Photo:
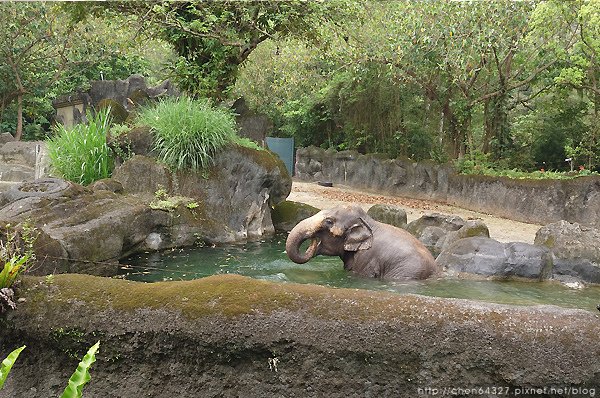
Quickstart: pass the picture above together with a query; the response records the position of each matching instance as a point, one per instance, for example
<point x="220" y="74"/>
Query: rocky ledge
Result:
<point x="234" y="336"/>
<point x="145" y="206"/>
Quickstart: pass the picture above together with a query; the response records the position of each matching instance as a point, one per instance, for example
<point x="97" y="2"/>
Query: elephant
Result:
<point x="367" y="247"/>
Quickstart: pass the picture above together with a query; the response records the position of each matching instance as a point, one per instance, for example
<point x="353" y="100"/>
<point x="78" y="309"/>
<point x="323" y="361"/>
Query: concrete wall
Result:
<point x="536" y="201"/>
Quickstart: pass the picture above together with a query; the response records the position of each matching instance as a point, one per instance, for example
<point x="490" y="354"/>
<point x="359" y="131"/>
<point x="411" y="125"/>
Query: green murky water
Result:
<point x="267" y="260"/>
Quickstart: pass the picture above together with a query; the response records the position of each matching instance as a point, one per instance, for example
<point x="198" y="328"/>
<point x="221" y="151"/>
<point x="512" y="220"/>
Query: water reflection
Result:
<point x="267" y="260"/>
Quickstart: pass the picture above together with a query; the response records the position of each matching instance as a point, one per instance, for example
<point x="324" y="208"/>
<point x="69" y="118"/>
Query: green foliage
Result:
<point x="44" y="55"/>
<point x="77" y="381"/>
<point x="81" y="376"/>
<point x="247" y="143"/>
<point x="438" y="79"/>
<point x="16" y="252"/>
<point x="81" y="154"/>
<point x="213" y="38"/>
<point x="533" y="175"/>
<point x="7" y="364"/>
<point x="163" y="201"/>
<point x="475" y="162"/>
<point x="188" y="133"/>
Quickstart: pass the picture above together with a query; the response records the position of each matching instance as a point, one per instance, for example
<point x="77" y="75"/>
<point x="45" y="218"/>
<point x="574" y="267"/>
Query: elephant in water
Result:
<point x="367" y="247"/>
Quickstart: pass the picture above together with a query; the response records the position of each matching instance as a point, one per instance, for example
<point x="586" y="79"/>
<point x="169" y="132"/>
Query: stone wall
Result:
<point x="232" y="336"/>
<point x="536" y="201"/>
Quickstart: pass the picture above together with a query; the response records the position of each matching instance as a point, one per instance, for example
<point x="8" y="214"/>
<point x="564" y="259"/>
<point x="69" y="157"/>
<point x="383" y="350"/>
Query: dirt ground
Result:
<point x="501" y="229"/>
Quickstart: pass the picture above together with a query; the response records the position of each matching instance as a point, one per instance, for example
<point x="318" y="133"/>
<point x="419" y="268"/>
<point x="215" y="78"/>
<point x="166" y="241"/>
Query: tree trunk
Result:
<point x="19" y="131"/>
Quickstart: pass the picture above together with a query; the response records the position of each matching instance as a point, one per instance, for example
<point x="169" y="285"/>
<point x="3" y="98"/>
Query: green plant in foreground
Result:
<point x="77" y="381"/>
<point x="16" y="251"/>
<point x="81" y="154"/>
<point x="7" y="364"/>
<point x="81" y="375"/>
<point x="188" y="133"/>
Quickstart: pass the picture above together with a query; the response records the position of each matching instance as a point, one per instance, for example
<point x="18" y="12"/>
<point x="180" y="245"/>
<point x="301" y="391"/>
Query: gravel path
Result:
<point x="501" y="229"/>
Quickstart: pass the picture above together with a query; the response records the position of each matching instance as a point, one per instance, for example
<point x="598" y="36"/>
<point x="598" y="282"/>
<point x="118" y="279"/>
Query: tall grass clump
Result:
<point x="188" y="133"/>
<point x="81" y="154"/>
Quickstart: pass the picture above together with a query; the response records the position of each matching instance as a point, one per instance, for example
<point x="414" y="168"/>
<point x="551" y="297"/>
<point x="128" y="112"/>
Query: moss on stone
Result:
<point x="265" y="158"/>
<point x="235" y="296"/>
<point x="288" y="213"/>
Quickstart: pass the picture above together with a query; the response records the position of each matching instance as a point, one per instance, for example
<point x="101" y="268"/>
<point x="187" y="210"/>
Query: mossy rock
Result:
<point x="287" y="214"/>
<point x="118" y="113"/>
<point x="389" y="214"/>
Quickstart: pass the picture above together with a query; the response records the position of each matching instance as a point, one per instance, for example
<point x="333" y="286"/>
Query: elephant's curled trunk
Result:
<point x="300" y="233"/>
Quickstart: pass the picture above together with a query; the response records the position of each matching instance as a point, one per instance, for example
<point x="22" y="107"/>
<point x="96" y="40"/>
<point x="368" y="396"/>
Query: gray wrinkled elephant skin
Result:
<point x="367" y="247"/>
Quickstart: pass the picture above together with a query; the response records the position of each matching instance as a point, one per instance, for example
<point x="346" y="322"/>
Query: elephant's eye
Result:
<point x="328" y="222"/>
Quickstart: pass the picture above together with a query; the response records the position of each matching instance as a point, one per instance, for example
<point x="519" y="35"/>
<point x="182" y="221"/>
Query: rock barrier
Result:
<point x="535" y="201"/>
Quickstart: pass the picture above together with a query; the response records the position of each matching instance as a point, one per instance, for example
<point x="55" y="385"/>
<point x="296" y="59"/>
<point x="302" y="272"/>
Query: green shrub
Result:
<point x="81" y="154"/>
<point x="188" y="133"/>
<point x="475" y="162"/>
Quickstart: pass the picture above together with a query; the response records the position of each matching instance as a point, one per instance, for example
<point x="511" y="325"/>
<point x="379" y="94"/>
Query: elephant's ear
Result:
<point x="358" y="237"/>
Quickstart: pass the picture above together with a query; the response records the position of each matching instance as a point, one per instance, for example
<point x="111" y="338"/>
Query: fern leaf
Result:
<point x="7" y="364"/>
<point x="81" y="375"/>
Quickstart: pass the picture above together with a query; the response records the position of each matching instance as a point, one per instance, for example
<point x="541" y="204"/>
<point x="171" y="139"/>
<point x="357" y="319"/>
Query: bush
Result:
<point x="81" y="154"/>
<point x="188" y="133"/>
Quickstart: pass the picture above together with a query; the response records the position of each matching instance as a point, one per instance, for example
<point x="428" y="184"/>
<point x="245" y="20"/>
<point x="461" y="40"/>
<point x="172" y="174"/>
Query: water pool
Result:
<point x="266" y="259"/>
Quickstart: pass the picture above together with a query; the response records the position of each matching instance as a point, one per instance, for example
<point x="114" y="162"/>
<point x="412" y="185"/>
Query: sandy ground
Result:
<point x="501" y="229"/>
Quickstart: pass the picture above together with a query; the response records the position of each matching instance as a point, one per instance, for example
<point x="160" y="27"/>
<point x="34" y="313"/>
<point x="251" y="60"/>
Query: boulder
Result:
<point x="389" y="214"/>
<point x="471" y="229"/>
<point x="88" y="229"/>
<point x="23" y="161"/>
<point x="287" y="214"/>
<point x="444" y="221"/>
<point x="137" y="141"/>
<point x="238" y="190"/>
<point x="575" y="249"/>
<point x="80" y="230"/>
<point x="6" y="137"/>
<point x="490" y="258"/>
<point x="438" y="231"/>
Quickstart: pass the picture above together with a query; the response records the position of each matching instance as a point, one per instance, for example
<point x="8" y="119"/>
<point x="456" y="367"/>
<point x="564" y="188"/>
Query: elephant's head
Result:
<point x="333" y="232"/>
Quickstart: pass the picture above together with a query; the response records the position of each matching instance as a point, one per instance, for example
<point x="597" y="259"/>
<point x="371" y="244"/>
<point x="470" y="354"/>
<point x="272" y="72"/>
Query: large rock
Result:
<point x="388" y="214"/>
<point x="23" y="161"/>
<point x="287" y="214"/>
<point x="575" y="248"/>
<point x="238" y="337"/>
<point x="490" y="258"/>
<point x="85" y="230"/>
<point x="88" y="229"/>
<point x="238" y="191"/>
<point x="438" y="231"/>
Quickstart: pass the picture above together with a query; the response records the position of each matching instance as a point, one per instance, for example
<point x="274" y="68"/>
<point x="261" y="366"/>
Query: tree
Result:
<point x="214" y="38"/>
<point x="42" y="55"/>
<point x="579" y="69"/>
<point x="33" y="56"/>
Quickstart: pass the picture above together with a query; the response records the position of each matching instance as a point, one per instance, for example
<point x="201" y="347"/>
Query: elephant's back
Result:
<point x="407" y="257"/>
